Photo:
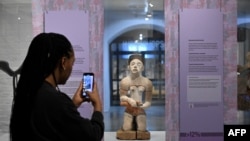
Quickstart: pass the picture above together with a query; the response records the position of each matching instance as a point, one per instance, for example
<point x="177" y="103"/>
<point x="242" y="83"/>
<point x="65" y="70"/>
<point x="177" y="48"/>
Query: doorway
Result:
<point x="150" y="44"/>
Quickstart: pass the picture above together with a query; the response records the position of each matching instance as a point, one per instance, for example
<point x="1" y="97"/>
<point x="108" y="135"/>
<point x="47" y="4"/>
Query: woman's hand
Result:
<point x="77" y="98"/>
<point x="95" y="98"/>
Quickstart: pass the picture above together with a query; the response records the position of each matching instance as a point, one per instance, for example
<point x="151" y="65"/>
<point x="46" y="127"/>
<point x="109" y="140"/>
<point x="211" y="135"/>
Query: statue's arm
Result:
<point x="148" y="95"/>
<point x="124" y="99"/>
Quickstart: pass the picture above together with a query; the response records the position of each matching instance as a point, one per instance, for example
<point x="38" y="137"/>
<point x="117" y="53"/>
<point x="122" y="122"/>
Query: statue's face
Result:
<point x="136" y="66"/>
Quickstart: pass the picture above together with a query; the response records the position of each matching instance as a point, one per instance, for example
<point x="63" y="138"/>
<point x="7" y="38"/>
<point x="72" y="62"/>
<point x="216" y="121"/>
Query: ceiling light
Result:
<point x="150" y="4"/>
<point x="140" y="36"/>
<point x="149" y="14"/>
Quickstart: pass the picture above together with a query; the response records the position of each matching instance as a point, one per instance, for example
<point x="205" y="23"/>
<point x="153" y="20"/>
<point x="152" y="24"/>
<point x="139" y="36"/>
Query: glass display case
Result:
<point x="154" y="55"/>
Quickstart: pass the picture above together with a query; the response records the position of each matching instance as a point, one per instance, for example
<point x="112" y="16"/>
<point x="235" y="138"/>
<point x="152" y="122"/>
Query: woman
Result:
<point x="41" y="112"/>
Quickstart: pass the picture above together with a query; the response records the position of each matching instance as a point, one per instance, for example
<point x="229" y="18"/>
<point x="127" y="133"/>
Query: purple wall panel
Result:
<point x="96" y="24"/>
<point x="229" y="11"/>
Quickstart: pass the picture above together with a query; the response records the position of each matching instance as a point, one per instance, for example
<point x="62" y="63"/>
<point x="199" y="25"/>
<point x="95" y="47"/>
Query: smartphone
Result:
<point x="88" y="83"/>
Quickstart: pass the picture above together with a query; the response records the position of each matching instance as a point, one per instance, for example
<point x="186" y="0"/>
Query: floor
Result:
<point x="244" y="117"/>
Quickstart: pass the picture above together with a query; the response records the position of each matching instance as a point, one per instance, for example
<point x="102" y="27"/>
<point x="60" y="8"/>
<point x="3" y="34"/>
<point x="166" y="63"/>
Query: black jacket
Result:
<point x="55" y="118"/>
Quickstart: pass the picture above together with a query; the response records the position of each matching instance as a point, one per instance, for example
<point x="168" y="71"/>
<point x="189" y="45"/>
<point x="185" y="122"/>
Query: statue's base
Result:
<point x="132" y="135"/>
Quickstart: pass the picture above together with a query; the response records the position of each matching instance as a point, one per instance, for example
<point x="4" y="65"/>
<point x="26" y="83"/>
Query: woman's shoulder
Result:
<point x="50" y="94"/>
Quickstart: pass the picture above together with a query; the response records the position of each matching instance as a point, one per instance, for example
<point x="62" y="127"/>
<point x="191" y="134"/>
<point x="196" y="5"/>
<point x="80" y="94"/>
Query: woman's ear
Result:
<point x="63" y="63"/>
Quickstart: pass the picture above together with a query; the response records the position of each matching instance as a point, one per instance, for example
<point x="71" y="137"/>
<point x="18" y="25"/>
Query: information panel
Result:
<point x="201" y="75"/>
<point x="75" y="26"/>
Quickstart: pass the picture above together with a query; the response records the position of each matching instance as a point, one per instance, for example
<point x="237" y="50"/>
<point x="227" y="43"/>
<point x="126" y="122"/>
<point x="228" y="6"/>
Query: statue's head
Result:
<point x="135" y="63"/>
<point x="135" y="56"/>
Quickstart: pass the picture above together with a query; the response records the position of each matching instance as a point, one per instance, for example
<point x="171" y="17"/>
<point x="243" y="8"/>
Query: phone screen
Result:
<point x="88" y="82"/>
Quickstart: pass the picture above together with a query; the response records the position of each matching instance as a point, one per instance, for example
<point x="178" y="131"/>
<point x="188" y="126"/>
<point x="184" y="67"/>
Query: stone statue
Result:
<point x="135" y="94"/>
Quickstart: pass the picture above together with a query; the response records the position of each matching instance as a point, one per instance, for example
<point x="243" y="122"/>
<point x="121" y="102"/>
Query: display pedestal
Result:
<point x="132" y="135"/>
